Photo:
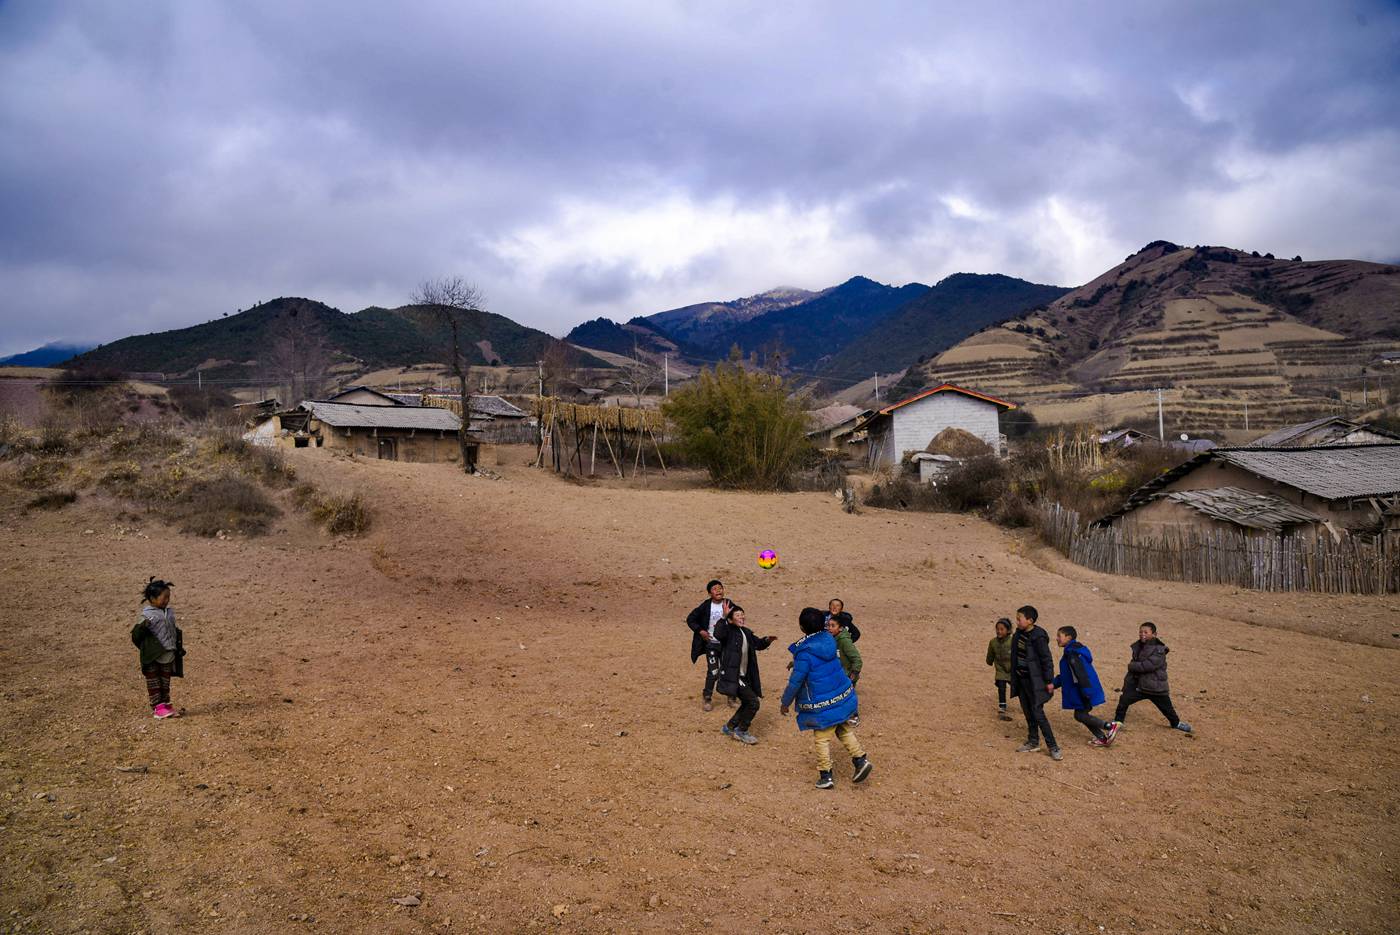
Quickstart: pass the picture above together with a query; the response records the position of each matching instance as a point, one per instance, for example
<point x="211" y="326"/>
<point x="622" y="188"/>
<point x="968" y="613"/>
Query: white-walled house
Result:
<point x="910" y="424"/>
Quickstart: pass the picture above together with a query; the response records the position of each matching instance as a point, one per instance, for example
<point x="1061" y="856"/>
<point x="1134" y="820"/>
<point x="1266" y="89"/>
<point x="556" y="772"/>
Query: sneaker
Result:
<point x="862" y="768"/>
<point x="709" y="705"/>
<point x="1056" y="755"/>
<point x="1028" y="747"/>
<point x="1003" y="716"/>
<point x="726" y="730"/>
<point x="1098" y="741"/>
<point x="824" y="780"/>
<point x="744" y="736"/>
<point x="1183" y="727"/>
<point x="854" y="721"/>
<point x="162" y="711"/>
<point x="1111" y="732"/>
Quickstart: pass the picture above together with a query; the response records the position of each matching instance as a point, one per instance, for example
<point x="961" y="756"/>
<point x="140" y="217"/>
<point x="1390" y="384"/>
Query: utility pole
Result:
<point x="199" y="376"/>
<point x="666" y="374"/>
<point x="1161" y="431"/>
<point x="1365" y="404"/>
<point x="540" y="364"/>
<point x="877" y="387"/>
<point x="1246" y="415"/>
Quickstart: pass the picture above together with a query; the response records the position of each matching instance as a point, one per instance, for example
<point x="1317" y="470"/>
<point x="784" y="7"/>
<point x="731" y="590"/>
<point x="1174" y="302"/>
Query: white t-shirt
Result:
<point x="716" y="615"/>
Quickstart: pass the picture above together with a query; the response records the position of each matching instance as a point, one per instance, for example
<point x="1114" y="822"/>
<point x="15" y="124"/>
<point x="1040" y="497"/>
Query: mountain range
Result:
<point x="236" y="347"/>
<point x="55" y="352"/>
<point x="1227" y="335"/>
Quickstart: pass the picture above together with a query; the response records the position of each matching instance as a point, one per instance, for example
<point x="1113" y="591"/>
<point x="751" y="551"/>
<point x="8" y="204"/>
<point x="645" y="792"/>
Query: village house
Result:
<point x="1272" y="491"/>
<point x="908" y="426"/>
<point x="388" y="432"/>
<point x="1332" y="430"/>
<point x="831" y="426"/>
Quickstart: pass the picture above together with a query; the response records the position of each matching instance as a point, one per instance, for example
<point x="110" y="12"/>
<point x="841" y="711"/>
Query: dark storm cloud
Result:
<point x="163" y="163"/>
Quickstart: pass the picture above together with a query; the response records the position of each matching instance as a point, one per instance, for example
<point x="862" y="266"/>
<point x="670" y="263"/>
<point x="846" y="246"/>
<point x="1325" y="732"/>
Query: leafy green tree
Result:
<point x="743" y="427"/>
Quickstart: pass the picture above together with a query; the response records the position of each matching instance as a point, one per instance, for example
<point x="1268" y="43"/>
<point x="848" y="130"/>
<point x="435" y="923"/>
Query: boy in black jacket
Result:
<point x="1147" y="678"/>
<point x="702" y="621"/>
<point x="738" y="672"/>
<point x="1033" y="680"/>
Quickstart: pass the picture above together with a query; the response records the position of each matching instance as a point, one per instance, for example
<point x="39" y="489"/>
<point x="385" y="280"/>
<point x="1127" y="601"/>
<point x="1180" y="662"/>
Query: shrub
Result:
<point x="744" y="427"/>
<point x="225" y="502"/>
<point x="54" y="500"/>
<point x="196" y="402"/>
<point x="85" y="379"/>
<point x="342" y="514"/>
<point x="41" y="473"/>
<point x="53" y="437"/>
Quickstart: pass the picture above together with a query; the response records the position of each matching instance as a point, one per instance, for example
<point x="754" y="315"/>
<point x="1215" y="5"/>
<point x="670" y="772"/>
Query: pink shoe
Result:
<point x="162" y="711"/>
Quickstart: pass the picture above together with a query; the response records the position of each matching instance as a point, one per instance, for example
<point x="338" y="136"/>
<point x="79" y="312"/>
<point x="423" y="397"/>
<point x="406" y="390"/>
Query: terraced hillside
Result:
<point x="1220" y="330"/>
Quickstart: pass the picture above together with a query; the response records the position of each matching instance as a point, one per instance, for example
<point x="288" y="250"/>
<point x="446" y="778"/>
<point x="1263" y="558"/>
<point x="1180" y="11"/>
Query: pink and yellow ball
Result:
<point x="767" y="558"/>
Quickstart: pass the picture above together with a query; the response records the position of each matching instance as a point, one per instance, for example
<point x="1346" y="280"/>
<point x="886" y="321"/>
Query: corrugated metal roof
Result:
<point x="1333" y="473"/>
<point x="348" y="415"/>
<point x="1243" y="507"/>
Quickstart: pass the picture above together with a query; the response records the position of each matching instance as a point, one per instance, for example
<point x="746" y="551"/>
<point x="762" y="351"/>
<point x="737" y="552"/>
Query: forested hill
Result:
<point x="235" y="346"/>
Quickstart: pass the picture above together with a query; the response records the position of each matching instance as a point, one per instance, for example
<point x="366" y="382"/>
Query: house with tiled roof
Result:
<point x="1273" y="490"/>
<point x="907" y="427"/>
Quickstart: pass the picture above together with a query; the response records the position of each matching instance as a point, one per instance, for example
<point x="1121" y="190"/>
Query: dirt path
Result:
<point x="487" y="704"/>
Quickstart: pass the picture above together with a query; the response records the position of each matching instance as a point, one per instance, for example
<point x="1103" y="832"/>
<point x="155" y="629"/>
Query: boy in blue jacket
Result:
<point x="825" y="697"/>
<point x="1080" y="690"/>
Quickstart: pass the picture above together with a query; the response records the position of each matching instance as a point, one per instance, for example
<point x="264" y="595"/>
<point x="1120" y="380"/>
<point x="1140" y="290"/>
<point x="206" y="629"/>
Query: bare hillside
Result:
<point x="1217" y="327"/>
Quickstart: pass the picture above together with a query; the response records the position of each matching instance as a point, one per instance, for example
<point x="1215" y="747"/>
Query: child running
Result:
<point x="999" y="656"/>
<point x="1147" y="678"/>
<point x="158" y="639"/>
<point x="738" y="672"/>
<point x="1079" y="686"/>
<point x="825" y="697"/>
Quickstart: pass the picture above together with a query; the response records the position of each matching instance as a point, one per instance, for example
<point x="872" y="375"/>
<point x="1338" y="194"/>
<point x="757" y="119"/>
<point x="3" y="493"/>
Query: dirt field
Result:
<point x="487" y="704"/>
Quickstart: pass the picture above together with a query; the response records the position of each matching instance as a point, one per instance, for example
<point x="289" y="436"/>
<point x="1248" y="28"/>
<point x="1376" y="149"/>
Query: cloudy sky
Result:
<point x="163" y="163"/>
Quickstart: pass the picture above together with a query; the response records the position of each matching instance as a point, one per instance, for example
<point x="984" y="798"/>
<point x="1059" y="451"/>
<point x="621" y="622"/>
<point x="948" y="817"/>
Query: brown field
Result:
<point x="487" y="704"/>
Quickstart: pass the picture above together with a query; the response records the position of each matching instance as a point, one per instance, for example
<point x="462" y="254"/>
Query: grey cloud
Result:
<point x="164" y="159"/>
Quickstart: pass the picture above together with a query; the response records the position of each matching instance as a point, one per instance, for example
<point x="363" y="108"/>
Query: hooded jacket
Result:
<point x="1147" y="672"/>
<point x="731" y="658"/>
<point x="848" y="654"/>
<point x="824" y="696"/>
<point x="1078" y="682"/>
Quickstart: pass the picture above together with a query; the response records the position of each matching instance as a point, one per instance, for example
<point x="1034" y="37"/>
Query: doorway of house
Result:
<point x="388" y="449"/>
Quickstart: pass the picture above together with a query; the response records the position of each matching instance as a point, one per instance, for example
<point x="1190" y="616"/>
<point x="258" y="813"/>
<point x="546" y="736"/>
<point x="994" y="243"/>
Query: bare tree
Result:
<point x="299" y="357"/>
<point x="558" y="365"/>
<point x="449" y="298"/>
<point x="639" y="374"/>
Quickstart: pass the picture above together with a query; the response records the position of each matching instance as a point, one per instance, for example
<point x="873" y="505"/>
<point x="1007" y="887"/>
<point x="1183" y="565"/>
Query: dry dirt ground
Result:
<point x="487" y="704"/>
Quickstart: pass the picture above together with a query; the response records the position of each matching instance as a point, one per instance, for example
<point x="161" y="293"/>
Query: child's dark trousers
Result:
<point x="1132" y="696"/>
<point x="748" y="707"/>
<point x="1096" y="726"/>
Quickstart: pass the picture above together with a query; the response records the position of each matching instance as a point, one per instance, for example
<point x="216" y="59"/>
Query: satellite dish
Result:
<point x="1183" y="437"/>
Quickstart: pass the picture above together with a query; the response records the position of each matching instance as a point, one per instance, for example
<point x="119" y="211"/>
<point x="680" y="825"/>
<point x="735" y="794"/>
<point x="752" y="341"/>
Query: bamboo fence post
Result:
<point x="593" y="455"/>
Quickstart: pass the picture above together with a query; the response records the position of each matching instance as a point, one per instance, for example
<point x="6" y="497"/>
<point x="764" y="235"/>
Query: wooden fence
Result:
<point x="1349" y="565"/>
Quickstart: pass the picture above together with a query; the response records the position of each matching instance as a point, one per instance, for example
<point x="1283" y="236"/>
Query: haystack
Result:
<point x="959" y="443"/>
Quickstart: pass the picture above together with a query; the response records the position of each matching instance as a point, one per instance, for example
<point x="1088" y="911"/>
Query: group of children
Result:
<point x="1023" y="668"/>
<point x="825" y="668"/>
